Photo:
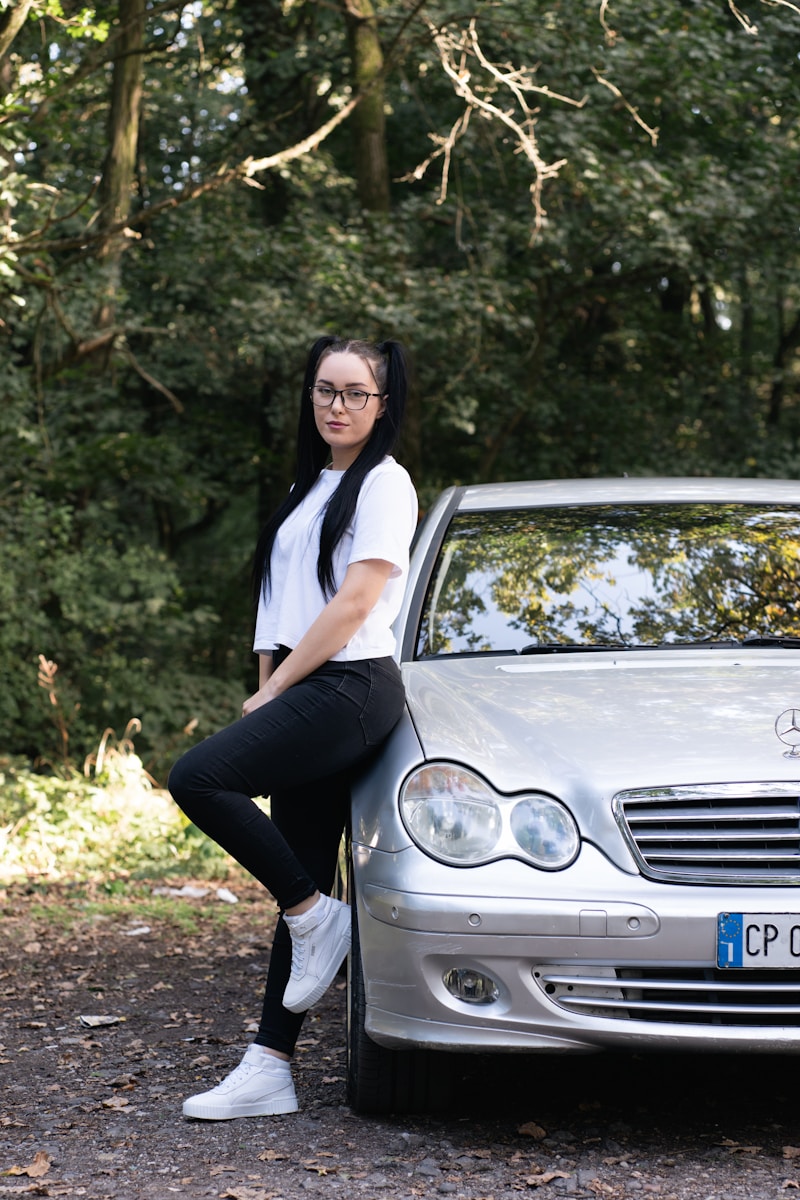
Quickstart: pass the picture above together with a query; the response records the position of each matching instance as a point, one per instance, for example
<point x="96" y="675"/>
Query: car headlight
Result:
<point x="456" y="817"/>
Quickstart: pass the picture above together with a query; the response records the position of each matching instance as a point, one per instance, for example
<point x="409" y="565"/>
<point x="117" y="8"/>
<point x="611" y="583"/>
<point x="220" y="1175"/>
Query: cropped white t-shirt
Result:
<point x="382" y="527"/>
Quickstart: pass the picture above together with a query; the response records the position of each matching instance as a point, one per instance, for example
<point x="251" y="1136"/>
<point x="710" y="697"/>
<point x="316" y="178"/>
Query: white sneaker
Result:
<point x="256" y="1088"/>
<point x="320" y="940"/>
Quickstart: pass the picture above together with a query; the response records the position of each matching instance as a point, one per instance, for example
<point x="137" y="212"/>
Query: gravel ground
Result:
<point x="95" y="1109"/>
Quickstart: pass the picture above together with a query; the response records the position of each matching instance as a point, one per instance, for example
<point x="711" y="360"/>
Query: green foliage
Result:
<point x="113" y="614"/>
<point x="85" y="902"/>
<point x="115" y="824"/>
<point x="149" y="386"/>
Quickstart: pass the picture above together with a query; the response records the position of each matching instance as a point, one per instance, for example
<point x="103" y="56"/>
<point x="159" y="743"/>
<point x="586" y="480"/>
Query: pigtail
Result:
<point x="311" y="455"/>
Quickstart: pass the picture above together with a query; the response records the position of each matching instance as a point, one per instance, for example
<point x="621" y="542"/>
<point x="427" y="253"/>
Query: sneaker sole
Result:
<point x="324" y="981"/>
<point x="224" y="1112"/>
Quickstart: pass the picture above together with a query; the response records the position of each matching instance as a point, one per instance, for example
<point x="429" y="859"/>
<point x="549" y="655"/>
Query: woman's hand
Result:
<point x="266" y="691"/>
<point x="262" y="696"/>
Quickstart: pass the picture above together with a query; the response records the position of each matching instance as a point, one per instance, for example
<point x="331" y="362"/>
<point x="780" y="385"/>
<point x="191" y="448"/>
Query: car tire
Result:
<point x="380" y="1080"/>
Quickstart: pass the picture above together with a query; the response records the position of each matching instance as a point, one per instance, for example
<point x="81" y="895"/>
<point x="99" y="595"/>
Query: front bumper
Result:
<point x="598" y="959"/>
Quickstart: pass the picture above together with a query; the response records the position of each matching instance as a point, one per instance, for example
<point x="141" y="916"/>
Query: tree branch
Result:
<point x="457" y="53"/>
<point x="747" y="25"/>
<point x="609" y="32"/>
<point x="252" y="166"/>
<point x="243" y="171"/>
<point x="150" y="379"/>
<point x="11" y="23"/>
<point x="651" y="132"/>
<point x="782" y="4"/>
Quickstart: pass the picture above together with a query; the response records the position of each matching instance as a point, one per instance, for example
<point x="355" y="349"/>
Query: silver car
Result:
<point x="585" y="832"/>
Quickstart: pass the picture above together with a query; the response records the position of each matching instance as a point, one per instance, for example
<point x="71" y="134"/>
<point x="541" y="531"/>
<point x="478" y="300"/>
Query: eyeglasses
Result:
<point x="352" y="398"/>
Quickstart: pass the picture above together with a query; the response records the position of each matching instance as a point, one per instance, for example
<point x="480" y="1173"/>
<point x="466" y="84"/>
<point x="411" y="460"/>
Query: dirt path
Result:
<point x="173" y="984"/>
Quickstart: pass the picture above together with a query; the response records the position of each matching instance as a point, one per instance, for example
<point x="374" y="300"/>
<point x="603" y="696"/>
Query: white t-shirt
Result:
<point x="382" y="527"/>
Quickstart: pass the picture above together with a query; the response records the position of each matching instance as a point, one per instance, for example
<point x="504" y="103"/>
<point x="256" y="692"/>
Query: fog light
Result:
<point x="469" y="985"/>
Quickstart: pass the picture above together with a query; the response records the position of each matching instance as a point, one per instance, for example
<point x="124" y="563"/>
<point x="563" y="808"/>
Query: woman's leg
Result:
<point x="321" y="809"/>
<point x="324" y="725"/>
<point x="293" y="749"/>
<point x="215" y="782"/>
<point x="313" y="818"/>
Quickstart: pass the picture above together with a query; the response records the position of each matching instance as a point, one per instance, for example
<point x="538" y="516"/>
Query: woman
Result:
<point x="329" y="577"/>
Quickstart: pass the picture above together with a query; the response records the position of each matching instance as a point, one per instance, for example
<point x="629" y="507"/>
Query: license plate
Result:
<point x="758" y="940"/>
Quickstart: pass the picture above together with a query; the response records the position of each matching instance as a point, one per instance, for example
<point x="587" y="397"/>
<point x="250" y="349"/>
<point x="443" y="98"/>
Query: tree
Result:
<point x="119" y="169"/>
<point x="582" y="219"/>
<point x="369" y="125"/>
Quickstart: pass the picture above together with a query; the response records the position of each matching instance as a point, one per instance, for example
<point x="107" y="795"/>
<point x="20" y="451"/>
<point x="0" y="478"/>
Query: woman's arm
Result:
<point x="341" y="618"/>
<point x="266" y="665"/>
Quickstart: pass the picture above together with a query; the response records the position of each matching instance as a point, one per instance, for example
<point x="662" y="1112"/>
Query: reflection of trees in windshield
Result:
<point x="606" y="575"/>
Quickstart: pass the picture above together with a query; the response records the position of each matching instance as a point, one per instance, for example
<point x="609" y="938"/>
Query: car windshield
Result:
<point x="630" y="576"/>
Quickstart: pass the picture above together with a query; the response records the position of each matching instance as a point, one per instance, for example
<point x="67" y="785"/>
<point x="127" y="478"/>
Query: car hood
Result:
<point x="583" y="725"/>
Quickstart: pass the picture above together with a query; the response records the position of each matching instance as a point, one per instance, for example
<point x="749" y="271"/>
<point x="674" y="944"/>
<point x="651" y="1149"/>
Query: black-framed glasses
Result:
<point x="352" y="398"/>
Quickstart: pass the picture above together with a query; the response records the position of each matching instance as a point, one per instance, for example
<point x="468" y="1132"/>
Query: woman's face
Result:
<point x="344" y="429"/>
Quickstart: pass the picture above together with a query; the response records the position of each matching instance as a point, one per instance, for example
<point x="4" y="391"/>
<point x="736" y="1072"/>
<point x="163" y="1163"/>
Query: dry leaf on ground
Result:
<point x="546" y="1177"/>
<point x="35" y="1170"/>
<point x="531" y="1129"/>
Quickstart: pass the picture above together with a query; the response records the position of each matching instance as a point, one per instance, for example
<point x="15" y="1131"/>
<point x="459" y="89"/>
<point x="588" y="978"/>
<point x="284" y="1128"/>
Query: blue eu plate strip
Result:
<point x="729" y="939"/>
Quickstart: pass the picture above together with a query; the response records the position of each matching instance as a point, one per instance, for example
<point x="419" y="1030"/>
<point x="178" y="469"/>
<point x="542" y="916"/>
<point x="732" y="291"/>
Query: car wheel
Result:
<point x="380" y="1080"/>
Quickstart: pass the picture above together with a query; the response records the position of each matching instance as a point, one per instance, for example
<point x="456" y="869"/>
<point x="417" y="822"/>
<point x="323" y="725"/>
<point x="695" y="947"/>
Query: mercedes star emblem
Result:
<point x="787" y="728"/>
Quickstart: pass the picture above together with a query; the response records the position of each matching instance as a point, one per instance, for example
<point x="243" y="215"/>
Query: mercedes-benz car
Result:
<point x="584" y="834"/>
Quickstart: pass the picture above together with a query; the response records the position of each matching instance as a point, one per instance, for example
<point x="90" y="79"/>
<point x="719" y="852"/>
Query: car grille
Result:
<point x="680" y="996"/>
<point x="728" y="833"/>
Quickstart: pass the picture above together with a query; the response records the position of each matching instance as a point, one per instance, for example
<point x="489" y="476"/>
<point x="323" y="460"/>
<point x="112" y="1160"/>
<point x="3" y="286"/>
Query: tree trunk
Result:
<point x="11" y="22"/>
<point x="119" y="168"/>
<point x="746" y="405"/>
<point x="368" y="120"/>
<point x="788" y="341"/>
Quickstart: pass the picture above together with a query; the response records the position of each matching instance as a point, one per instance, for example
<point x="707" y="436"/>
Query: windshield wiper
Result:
<point x="578" y="647"/>
<point x="706" y="643"/>
<point x="710" y="643"/>
<point x="571" y="647"/>
<point x="752" y="640"/>
<point x="775" y="639"/>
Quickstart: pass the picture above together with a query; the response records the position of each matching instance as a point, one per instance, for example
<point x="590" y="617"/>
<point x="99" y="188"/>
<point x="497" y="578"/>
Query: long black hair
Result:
<point x="387" y="360"/>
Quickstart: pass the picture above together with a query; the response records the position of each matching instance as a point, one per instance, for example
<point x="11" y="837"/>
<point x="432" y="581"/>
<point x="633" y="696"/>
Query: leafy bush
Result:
<point x="128" y="640"/>
<point x="54" y="827"/>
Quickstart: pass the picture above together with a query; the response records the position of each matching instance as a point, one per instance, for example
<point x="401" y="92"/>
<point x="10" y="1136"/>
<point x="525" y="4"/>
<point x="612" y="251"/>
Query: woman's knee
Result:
<point x="183" y="779"/>
<point x="201" y="774"/>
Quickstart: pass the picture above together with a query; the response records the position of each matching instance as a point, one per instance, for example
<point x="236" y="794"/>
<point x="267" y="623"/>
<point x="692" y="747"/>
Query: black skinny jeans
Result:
<point x="299" y="750"/>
